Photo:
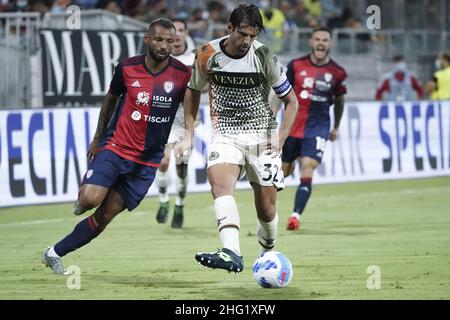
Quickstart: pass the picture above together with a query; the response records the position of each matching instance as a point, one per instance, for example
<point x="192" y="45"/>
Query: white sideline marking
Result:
<point x="34" y="222"/>
<point x="29" y="223"/>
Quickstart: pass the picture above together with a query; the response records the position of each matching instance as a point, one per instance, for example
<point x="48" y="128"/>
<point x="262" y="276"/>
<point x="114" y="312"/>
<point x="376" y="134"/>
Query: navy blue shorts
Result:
<point x="131" y="180"/>
<point x="306" y="147"/>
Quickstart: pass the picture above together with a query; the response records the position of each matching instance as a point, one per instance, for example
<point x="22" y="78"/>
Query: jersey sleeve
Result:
<point x="341" y="87"/>
<point x="276" y="76"/>
<point x="199" y="77"/>
<point x="117" y="85"/>
<point x="290" y="73"/>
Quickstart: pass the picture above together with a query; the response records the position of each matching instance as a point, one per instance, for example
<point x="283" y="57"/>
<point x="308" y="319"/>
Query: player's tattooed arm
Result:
<point x="104" y="117"/>
<point x="338" y="111"/>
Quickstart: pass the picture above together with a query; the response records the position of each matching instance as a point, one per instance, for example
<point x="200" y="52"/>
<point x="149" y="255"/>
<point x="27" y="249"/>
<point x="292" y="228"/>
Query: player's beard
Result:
<point x="158" y="55"/>
<point x="321" y="55"/>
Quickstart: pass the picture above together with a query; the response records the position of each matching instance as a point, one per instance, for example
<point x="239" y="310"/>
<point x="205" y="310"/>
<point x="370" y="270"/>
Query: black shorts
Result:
<point x="306" y="147"/>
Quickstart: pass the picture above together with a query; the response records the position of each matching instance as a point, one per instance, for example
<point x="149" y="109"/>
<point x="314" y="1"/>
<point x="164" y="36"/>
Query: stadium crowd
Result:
<point x="207" y="20"/>
<point x="279" y="16"/>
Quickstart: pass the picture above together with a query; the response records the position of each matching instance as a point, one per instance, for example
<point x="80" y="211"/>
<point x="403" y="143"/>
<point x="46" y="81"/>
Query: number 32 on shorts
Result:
<point x="272" y="173"/>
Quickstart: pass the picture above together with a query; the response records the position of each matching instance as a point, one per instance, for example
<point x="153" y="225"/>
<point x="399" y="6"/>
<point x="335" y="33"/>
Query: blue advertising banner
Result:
<point x="43" y="152"/>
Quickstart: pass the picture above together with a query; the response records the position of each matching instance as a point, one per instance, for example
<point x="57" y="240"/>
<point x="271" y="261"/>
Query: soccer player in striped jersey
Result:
<point x="240" y="72"/>
<point x="133" y="126"/>
<point x="318" y="83"/>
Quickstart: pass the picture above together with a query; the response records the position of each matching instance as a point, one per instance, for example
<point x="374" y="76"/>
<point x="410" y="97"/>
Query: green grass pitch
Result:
<point x="403" y="227"/>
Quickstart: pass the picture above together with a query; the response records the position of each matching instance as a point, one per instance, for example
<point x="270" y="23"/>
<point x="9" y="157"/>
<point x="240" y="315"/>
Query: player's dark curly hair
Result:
<point x="246" y="13"/>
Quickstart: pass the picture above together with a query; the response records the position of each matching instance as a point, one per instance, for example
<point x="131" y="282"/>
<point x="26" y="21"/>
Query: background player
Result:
<point x="318" y="82"/>
<point x="241" y="72"/>
<point x="129" y="141"/>
<point x="185" y="54"/>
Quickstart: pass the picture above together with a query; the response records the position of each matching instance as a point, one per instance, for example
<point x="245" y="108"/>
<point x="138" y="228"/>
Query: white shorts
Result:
<point x="259" y="167"/>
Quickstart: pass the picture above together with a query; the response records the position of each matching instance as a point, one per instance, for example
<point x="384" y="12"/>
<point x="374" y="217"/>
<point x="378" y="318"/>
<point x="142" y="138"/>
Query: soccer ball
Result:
<point x="272" y="270"/>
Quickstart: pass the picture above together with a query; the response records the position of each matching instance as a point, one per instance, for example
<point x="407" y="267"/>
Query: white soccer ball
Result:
<point x="273" y="270"/>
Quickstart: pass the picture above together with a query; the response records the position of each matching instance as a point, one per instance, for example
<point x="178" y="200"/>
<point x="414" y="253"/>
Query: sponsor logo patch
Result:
<point x="136" y="115"/>
<point x="213" y="156"/>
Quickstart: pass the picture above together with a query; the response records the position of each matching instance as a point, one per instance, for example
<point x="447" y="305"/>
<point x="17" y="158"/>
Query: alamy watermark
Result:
<point x="73" y="282"/>
<point x="373" y="21"/>
<point x="374" y="280"/>
<point x="73" y="21"/>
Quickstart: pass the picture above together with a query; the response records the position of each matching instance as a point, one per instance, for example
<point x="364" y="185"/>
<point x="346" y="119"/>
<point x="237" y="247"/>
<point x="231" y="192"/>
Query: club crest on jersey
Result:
<point x="89" y="173"/>
<point x="328" y="76"/>
<point x="168" y="86"/>
<point x="142" y="98"/>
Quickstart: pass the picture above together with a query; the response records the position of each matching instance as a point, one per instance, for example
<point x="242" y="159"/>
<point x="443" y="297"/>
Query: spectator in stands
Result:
<point x="345" y="20"/>
<point x="41" y="6"/>
<point x="60" y="6"/>
<point x="439" y="87"/>
<point x="314" y="7"/>
<point x="399" y="84"/>
<point x="287" y="9"/>
<point x="86" y="4"/>
<point x="158" y="9"/>
<point x="198" y="23"/>
<point x="273" y="20"/>
<point x="217" y="17"/>
<point x="109" y="5"/>
<point x="301" y="16"/>
<point x="15" y="6"/>
<point x="129" y="7"/>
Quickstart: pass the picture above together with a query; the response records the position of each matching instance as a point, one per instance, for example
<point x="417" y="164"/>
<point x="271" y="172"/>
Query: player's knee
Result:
<point x="103" y="217"/>
<point x="287" y="169"/>
<point x="266" y="210"/>
<point x="220" y="190"/>
<point x="89" y="200"/>
<point x="164" y="165"/>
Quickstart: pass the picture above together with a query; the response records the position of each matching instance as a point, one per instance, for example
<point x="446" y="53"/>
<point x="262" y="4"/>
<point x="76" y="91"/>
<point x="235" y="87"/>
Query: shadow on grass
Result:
<point x="257" y="293"/>
<point x="338" y="232"/>
<point x="150" y="281"/>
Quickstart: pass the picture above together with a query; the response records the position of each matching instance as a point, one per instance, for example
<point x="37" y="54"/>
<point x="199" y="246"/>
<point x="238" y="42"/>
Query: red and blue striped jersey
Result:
<point x="140" y="126"/>
<point x="316" y="88"/>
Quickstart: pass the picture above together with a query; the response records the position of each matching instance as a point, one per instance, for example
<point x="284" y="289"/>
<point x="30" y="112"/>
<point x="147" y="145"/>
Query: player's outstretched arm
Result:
<point x="338" y="111"/>
<point x="191" y="104"/>
<point x="104" y="117"/>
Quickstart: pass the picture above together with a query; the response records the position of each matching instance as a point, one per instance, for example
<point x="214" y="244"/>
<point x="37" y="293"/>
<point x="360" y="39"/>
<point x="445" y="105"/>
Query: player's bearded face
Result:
<point x="159" y="43"/>
<point x="320" y="45"/>
<point x="158" y="54"/>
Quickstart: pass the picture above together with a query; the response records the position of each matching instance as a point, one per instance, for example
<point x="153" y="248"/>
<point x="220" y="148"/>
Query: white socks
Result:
<point x="162" y="181"/>
<point x="181" y="185"/>
<point x="267" y="232"/>
<point x="296" y="215"/>
<point x="51" y="253"/>
<point x="228" y="222"/>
